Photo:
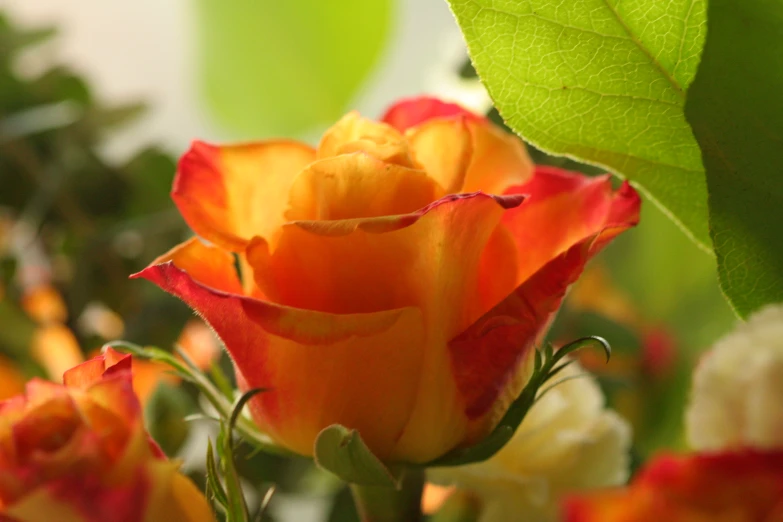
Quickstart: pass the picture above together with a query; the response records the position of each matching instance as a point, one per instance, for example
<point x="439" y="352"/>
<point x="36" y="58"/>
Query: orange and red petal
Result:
<point x="410" y="112"/>
<point x="93" y="370"/>
<point x="428" y="259"/>
<point x="564" y="208"/>
<point x="566" y="220"/>
<point x="319" y="368"/>
<point x="208" y="264"/>
<point x="84" y="499"/>
<point x="229" y="194"/>
<point x="433" y="260"/>
<point x="741" y="486"/>
<point x="487" y="358"/>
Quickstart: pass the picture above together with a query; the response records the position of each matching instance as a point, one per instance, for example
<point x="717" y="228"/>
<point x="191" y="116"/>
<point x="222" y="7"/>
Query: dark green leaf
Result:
<point x="735" y="107"/>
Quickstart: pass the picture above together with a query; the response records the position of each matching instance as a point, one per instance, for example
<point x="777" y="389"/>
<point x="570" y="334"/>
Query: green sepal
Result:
<point x="342" y="452"/>
<point x="544" y="368"/>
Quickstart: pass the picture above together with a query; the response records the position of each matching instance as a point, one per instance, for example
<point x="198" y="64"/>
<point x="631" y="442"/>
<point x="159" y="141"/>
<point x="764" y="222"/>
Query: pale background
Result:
<point x="143" y="50"/>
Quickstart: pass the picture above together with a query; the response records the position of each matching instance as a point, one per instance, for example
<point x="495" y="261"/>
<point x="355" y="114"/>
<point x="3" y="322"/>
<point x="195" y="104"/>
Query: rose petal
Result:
<point x="320" y="368"/>
<point x="85" y="499"/>
<point x="563" y="209"/>
<point x="487" y="357"/>
<point x="744" y="486"/>
<point x="210" y="265"/>
<point x="468" y="154"/>
<point x="444" y="149"/>
<point x="428" y="259"/>
<point x="414" y="111"/>
<point x="567" y="219"/>
<point x="357" y="185"/>
<point x="356" y="134"/>
<point x="229" y="194"/>
<point x="499" y="159"/>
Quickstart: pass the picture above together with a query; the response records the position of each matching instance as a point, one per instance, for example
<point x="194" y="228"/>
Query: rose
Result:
<point x="78" y="452"/>
<point x="392" y="279"/>
<point x="741" y="486"/>
<point x="567" y="442"/>
<point x="737" y="389"/>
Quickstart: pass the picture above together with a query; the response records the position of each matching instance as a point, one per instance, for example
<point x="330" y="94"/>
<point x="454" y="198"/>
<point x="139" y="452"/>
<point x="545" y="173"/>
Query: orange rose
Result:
<point x="78" y="452"/>
<point x="741" y="486"/>
<point x="392" y="279"/>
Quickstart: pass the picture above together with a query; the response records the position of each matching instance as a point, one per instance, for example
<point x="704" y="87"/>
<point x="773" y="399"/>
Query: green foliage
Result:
<point x="602" y="81"/>
<point x="736" y="110"/>
<point x="281" y="68"/>
<point x="223" y="480"/>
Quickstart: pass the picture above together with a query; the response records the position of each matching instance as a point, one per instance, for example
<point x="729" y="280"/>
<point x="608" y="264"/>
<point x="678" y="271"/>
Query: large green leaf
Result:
<point x="602" y="81"/>
<point x="736" y="109"/>
<point x="284" y="66"/>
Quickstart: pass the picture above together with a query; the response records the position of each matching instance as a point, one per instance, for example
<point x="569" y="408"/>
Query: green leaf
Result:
<point x="271" y="67"/>
<point x="343" y="452"/>
<point x="214" y="486"/>
<point x="602" y="81"/>
<point x="736" y="111"/>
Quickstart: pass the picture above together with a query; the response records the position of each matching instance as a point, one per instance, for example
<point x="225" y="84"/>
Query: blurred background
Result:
<point x="98" y="100"/>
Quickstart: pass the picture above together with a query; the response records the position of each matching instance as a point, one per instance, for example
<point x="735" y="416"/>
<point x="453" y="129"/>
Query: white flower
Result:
<point x="737" y="395"/>
<point x="568" y="442"/>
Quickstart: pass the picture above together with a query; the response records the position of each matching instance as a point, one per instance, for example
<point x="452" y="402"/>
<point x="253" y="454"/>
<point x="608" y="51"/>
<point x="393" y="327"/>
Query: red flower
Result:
<point x="78" y="452"/>
<point x="742" y="486"/>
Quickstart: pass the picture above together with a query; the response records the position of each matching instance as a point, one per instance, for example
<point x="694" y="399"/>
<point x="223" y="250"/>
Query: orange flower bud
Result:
<point x="79" y="452"/>
<point x="394" y="279"/>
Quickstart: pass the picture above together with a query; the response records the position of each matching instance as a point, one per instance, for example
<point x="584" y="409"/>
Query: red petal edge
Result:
<point x="410" y="112"/>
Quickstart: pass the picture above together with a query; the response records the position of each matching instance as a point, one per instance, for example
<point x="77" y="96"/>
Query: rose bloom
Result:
<point x="78" y="452"/>
<point x="567" y="442"/>
<point x="739" y="486"/>
<point x="738" y="388"/>
<point x="393" y="279"/>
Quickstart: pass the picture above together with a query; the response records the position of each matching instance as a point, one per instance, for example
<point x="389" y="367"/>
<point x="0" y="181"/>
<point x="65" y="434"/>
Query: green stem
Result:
<point x="384" y="504"/>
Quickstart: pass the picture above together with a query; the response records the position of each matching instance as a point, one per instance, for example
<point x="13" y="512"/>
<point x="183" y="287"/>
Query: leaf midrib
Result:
<point x="666" y="74"/>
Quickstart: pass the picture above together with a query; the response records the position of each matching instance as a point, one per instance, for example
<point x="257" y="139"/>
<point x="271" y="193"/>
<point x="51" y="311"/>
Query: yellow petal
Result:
<point x="443" y="148"/>
<point x="229" y="194"/>
<point x="357" y="185"/>
<point x="356" y="134"/>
